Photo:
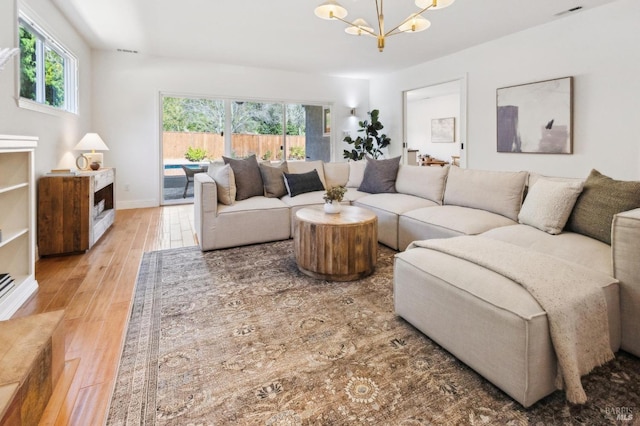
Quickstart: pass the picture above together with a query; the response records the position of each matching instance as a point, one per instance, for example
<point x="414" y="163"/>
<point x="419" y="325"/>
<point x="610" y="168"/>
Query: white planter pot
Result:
<point x="333" y="207"/>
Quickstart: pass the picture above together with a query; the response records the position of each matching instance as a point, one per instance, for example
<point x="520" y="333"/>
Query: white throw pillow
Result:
<point x="225" y="183"/>
<point x="356" y="173"/>
<point x="549" y="204"/>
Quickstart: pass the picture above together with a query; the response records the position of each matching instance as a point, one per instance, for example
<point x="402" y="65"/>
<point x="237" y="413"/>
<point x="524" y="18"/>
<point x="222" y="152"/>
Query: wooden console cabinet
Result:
<point x="74" y="211"/>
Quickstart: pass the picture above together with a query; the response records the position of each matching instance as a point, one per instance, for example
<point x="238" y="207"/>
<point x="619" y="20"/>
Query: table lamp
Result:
<point x="92" y="160"/>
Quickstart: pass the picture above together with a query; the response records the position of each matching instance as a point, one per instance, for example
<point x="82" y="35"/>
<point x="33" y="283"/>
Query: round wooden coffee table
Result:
<point x="336" y="247"/>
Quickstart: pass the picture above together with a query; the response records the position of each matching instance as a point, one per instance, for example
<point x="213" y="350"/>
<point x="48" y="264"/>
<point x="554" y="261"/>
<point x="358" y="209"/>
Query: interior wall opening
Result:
<point x="435" y="124"/>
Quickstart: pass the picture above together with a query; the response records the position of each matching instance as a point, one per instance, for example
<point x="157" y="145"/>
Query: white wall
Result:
<point x="419" y="115"/>
<point x="58" y="132"/>
<point x="598" y="47"/>
<point x="126" y="94"/>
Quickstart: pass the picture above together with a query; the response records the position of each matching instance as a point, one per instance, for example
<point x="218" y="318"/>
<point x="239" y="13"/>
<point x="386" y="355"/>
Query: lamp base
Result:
<point x="94" y="157"/>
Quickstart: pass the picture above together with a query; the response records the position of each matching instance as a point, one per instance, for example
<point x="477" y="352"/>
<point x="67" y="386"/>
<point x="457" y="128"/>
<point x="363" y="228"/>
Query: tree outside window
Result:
<point x="47" y="71"/>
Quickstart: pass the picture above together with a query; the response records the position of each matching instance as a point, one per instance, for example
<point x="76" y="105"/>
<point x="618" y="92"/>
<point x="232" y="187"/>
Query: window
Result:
<point x="197" y="131"/>
<point x="47" y="70"/>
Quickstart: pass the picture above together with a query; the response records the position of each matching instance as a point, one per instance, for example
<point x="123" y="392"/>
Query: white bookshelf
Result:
<point x="17" y="219"/>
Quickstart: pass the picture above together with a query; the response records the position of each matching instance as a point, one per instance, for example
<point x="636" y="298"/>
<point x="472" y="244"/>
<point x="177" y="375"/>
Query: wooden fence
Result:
<point x="175" y="144"/>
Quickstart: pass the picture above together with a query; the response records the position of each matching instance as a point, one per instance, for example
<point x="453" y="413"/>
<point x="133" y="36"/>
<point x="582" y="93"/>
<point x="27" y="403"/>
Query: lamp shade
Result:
<point x="415" y="23"/>
<point x="91" y="141"/>
<point x="359" y="27"/>
<point x="329" y="9"/>
<point x="440" y="4"/>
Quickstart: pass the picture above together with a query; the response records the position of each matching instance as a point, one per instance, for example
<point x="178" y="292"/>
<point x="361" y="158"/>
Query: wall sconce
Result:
<point x="353" y="112"/>
<point x="91" y="160"/>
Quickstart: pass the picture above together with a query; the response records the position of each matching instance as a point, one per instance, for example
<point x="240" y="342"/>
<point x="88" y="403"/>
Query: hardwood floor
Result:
<point x="95" y="289"/>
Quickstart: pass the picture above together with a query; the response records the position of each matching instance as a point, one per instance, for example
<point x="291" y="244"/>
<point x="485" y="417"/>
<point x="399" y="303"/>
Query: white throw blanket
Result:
<point x="571" y="295"/>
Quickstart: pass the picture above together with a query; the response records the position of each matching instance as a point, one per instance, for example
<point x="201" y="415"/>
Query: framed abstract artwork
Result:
<point x="443" y="129"/>
<point x="326" y="122"/>
<point x="536" y="117"/>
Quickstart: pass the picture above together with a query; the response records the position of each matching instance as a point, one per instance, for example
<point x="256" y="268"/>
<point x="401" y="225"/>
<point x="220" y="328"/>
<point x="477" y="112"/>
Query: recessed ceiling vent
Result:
<point x="127" y="51"/>
<point x="573" y="9"/>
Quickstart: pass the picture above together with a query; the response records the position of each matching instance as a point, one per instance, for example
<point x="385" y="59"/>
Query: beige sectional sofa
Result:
<point x="486" y="320"/>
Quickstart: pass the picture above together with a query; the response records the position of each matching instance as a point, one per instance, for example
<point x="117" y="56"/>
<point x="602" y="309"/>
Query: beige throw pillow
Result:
<point x="497" y="192"/>
<point x="424" y="182"/>
<point x="356" y="173"/>
<point x="225" y="183"/>
<point x="273" y="179"/>
<point x="549" y="204"/>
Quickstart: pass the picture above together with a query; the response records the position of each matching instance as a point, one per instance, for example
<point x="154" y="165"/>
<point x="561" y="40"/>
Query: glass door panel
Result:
<point x="192" y="136"/>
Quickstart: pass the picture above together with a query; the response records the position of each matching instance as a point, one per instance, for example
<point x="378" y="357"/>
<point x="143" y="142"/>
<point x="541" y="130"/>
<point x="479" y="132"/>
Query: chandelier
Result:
<point x="414" y="23"/>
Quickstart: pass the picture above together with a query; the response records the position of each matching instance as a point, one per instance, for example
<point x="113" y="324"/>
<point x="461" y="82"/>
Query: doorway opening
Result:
<point x="435" y="124"/>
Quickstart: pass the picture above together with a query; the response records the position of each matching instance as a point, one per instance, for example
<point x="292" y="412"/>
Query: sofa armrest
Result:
<point x="625" y="249"/>
<point x="205" y="204"/>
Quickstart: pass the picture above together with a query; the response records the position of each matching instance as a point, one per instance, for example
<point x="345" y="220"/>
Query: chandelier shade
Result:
<point x="414" y="23"/>
<point x="330" y="9"/>
<point x="441" y="4"/>
<point x="359" y="27"/>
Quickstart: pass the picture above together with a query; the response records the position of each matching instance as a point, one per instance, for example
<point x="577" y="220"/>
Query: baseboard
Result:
<point x="136" y="204"/>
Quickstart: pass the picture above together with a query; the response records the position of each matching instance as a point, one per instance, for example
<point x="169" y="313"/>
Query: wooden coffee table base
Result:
<point x="336" y="247"/>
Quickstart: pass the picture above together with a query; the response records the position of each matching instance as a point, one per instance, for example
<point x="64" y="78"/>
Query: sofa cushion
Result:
<point x="273" y="180"/>
<point x="425" y="182"/>
<point x="356" y="173"/>
<point x="225" y="183"/>
<point x="353" y="194"/>
<point x="300" y="183"/>
<point x="336" y="174"/>
<point x="601" y="199"/>
<point x="463" y="220"/>
<point x="497" y="192"/>
<point x="572" y="247"/>
<point x="548" y="204"/>
<point x="252" y="204"/>
<point x="380" y="176"/>
<point x="306" y="199"/>
<point x="307" y="166"/>
<point x="393" y="203"/>
<point x="247" y="175"/>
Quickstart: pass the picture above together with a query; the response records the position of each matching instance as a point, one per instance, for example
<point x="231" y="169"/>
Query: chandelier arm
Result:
<point x="391" y="32"/>
<point x="351" y="24"/>
<point x="380" y="17"/>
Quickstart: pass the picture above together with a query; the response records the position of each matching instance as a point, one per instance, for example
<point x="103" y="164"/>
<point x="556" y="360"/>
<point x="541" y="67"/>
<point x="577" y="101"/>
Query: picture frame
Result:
<point x="536" y="118"/>
<point x="443" y="130"/>
<point x="326" y="122"/>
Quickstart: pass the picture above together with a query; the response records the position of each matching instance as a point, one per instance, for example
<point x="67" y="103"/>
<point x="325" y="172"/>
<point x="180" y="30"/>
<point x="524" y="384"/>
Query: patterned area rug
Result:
<point x="241" y="337"/>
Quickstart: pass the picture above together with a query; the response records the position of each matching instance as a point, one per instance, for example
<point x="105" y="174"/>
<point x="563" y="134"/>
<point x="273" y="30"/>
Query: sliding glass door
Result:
<point x="199" y="131"/>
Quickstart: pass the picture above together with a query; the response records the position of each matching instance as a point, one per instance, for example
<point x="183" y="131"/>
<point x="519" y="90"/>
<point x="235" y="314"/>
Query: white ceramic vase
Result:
<point x="332" y="207"/>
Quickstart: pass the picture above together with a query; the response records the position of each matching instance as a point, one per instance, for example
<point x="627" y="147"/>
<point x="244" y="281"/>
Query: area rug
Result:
<point x="241" y="337"/>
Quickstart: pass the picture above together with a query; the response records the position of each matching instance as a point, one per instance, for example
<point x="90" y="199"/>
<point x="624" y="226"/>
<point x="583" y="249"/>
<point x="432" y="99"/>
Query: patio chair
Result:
<point x="189" y="172"/>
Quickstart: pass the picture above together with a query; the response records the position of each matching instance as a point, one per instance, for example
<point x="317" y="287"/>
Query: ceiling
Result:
<point x="285" y="34"/>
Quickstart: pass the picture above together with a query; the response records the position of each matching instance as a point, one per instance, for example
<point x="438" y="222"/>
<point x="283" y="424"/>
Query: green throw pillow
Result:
<point x="601" y="199"/>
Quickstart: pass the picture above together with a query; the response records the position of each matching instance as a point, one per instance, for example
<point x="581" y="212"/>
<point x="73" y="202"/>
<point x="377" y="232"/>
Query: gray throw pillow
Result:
<point x="380" y="176"/>
<point x="601" y="199"/>
<point x="248" y="178"/>
<point x="300" y="183"/>
<point x="273" y="179"/>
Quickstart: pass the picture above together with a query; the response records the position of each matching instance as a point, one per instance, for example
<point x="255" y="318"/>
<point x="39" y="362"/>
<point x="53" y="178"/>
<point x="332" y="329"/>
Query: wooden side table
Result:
<point x="74" y="211"/>
<point x="336" y="247"/>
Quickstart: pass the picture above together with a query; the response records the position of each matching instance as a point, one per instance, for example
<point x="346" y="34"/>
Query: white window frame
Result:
<point x="45" y="40"/>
